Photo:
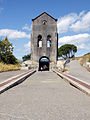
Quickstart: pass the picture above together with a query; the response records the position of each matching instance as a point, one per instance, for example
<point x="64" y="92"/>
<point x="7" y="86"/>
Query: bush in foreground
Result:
<point x="6" y="52"/>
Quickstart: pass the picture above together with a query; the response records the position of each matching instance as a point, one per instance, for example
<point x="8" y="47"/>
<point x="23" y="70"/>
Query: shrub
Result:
<point x="64" y="69"/>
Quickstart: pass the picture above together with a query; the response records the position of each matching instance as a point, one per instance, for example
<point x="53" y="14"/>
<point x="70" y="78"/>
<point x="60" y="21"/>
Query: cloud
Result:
<point x="65" y="22"/>
<point x="84" y="46"/>
<point x="75" y="38"/>
<point x="13" y="34"/>
<point x="27" y="47"/>
<point x="79" y="40"/>
<point x="74" y="22"/>
<point x="28" y="28"/>
<point x="83" y="24"/>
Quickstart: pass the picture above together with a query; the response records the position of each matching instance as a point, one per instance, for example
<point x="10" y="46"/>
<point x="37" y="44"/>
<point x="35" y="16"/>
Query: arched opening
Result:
<point x="39" y="43"/>
<point x="49" y="41"/>
<point x="44" y="24"/>
<point x="44" y="63"/>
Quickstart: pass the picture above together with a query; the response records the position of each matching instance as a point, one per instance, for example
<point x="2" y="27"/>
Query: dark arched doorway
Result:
<point x="44" y="63"/>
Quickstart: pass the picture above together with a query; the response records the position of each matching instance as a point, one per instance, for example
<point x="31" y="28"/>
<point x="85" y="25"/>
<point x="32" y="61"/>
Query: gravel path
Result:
<point x="6" y="75"/>
<point x="44" y="96"/>
<point x="78" y="71"/>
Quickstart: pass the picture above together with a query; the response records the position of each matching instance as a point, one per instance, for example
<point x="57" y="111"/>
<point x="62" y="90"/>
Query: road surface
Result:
<point x="78" y="71"/>
<point x="44" y="96"/>
<point x="6" y="75"/>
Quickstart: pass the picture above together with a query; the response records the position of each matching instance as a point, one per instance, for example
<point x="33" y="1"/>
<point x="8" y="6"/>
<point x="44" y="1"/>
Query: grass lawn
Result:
<point x="85" y="58"/>
<point x="9" y="67"/>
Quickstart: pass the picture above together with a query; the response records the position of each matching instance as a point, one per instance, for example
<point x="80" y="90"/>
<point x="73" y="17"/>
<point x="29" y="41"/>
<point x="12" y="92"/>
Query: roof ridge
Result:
<point x="42" y="14"/>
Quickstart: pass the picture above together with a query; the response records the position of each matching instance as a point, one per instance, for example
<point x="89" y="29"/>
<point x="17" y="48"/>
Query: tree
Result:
<point x="67" y="51"/>
<point x="26" y="57"/>
<point x="6" y="50"/>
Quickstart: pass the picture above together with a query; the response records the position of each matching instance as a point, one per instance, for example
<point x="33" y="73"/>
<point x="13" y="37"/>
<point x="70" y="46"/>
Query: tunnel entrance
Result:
<point x="44" y="63"/>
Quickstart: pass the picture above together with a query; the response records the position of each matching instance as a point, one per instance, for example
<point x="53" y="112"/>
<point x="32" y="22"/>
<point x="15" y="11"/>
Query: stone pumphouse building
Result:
<point x="44" y="41"/>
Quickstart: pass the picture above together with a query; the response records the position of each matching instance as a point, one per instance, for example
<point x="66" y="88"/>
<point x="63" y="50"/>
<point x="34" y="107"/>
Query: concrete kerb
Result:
<point x="16" y="81"/>
<point x="73" y="83"/>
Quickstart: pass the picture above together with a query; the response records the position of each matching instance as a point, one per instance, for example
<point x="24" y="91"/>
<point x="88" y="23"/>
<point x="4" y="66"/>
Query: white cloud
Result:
<point x="28" y="46"/>
<point x="79" y="40"/>
<point x="74" y="22"/>
<point x="83" y="24"/>
<point x="84" y="46"/>
<point x="82" y="13"/>
<point x="13" y="34"/>
<point x="28" y="28"/>
<point x="75" y="38"/>
<point x="65" y="22"/>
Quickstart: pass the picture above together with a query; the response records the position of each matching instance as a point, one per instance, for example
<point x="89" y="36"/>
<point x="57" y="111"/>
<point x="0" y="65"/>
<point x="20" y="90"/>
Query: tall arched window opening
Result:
<point x="39" y="44"/>
<point x="44" y="24"/>
<point x="49" y="41"/>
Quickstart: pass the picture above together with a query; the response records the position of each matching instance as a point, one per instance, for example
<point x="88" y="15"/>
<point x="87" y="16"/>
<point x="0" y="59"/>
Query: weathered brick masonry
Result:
<point x="44" y="39"/>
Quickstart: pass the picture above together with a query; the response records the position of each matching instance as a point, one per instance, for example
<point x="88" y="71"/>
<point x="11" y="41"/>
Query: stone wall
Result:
<point x="50" y="28"/>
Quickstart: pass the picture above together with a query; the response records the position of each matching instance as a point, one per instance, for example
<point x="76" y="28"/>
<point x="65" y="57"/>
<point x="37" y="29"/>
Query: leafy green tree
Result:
<point x="67" y="51"/>
<point x="26" y="57"/>
<point x="0" y="58"/>
<point x="6" y="50"/>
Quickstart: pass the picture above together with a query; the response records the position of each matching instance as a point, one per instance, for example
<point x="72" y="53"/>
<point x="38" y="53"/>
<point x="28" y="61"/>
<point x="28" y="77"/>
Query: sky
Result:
<point x="73" y="22"/>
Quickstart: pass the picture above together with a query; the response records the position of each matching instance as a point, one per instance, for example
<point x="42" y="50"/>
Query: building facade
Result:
<point x="44" y="39"/>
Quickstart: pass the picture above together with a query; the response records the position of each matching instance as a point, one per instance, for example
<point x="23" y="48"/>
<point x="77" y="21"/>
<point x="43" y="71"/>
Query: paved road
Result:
<point x="78" y="71"/>
<point x="7" y="75"/>
<point x="44" y="96"/>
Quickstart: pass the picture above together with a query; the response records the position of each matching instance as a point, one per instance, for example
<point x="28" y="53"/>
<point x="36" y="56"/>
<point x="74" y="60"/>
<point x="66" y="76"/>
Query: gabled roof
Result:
<point x="42" y="14"/>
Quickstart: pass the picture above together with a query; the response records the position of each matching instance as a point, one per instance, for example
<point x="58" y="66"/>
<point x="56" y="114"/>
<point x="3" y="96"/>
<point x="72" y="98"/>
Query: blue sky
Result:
<point x="73" y="22"/>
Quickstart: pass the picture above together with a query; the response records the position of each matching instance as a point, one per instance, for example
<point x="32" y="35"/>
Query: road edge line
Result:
<point x="16" y="81"/>
<point x="74" y="83"/>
